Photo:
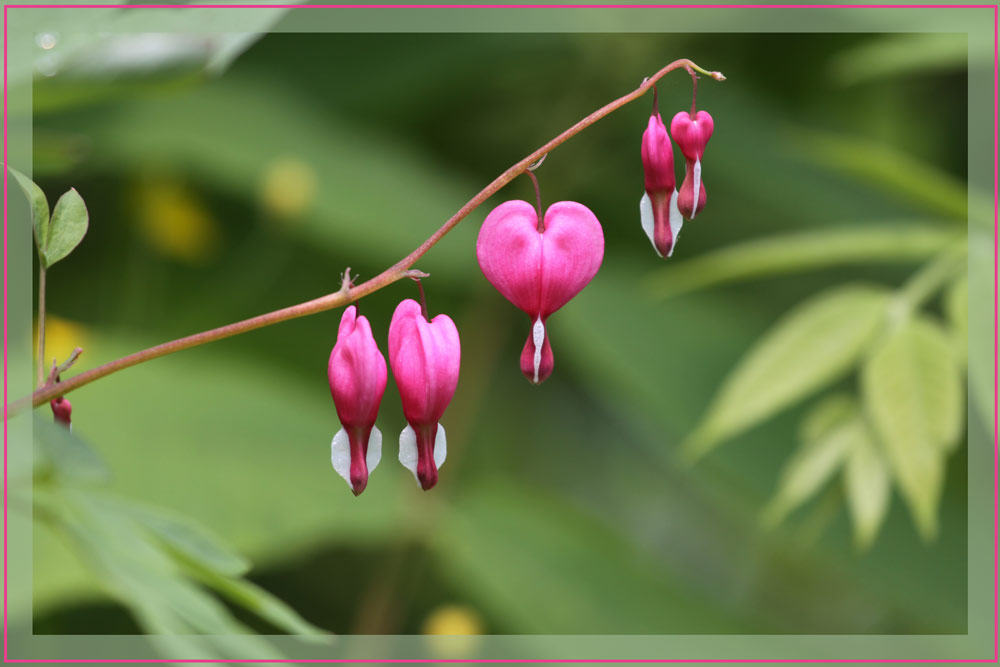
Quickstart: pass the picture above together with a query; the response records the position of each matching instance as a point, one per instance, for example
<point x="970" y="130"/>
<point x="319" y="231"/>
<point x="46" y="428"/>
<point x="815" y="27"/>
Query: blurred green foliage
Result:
<point x="565" y="508"/>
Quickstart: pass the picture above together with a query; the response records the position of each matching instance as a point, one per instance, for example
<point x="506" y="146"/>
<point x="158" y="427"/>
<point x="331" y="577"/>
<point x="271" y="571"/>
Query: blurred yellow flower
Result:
<point x="61" y="337"/>
<point x="453" y="619"/>
<point x="174" y="220"/>
<point x="288" y="187"/>
<point x="458" y="621"/>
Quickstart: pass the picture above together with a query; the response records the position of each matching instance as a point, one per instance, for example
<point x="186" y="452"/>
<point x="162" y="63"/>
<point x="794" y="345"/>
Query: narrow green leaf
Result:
<point x="912" y="393"/>
<point x="189" y="540"/>
<point x="39" y="207"/>
<point x="956" y="307"/>
<point x="813" y="345"/>
<point x="256" y="599"/>
<point x="867" y="486"/>
<point x="831" y="413"/>
<point x="804" y="251"/>
<point x="67" y="227"/>
<point x="827" y="433"/>
<point x="887" y="56"/>
<point x="898" y="173"/>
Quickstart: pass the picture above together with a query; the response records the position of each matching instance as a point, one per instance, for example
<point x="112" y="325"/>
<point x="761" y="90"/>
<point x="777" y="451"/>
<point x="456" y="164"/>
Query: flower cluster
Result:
<point x="537" y="261"/>
<point x="663" y="208"/>
<point x="425" y="356"/>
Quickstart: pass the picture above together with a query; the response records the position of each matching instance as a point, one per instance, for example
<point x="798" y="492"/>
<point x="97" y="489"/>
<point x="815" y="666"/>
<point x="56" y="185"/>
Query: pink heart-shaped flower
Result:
<point x="540" y="271"/>
<point x="692" y="134"/>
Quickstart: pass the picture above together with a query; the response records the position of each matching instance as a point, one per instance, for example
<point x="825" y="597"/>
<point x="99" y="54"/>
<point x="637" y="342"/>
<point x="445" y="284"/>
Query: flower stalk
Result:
<point x="347" y="295"/>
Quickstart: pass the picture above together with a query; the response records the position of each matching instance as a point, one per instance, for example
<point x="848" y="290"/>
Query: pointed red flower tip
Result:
<point x="425" y="359"/>
<point x="692" y="135"/>
<point x="539" y="272"/>
<point x="358" y="375"/>
<point x="62" y="409"/>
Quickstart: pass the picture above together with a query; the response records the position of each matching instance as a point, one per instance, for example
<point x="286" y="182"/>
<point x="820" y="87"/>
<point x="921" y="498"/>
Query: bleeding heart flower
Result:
<point x="539" y="267"/>
<point x="692" y="132"/>
<point x="357" y="375"/>
<point x="61" y="411"/>
<point x="425" y="357"/>
<point x="661" y="220"/>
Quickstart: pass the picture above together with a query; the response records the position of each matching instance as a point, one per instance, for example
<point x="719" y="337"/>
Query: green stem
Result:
<point x="932" y="277"/>
<point x="41" y="324"/>
<point x="397" y="271"/>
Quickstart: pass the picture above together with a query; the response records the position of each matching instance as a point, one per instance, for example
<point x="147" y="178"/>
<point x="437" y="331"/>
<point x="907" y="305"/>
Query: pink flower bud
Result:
<point x="692" y="135"/>
<point x="657" y="156"/>
<point x="540" y="271"/>
<point x="657" y="209"/>
<point x="61" y="411"/>
<point x="425" y="358"/>
<point x="357" y="375"/>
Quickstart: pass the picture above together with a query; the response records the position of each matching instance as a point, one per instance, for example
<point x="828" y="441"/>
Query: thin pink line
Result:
<point x="540" y="660"/>
<point x="5" y="333"/>
<point x="507" y="6"/>
<point x="996" y="334"/>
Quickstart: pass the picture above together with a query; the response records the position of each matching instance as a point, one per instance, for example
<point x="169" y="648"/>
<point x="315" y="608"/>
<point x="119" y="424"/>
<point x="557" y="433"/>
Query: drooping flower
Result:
<point x="692" y="132"/>
<point x="539" y="266"/>
<point x="661" y="220"/>
<point x="62" y="409"/>
<point x="357" y="374"/>
<point x="425" y="357"/>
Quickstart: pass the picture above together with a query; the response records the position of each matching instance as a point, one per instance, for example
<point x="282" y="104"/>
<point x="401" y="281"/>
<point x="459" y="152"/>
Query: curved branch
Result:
<point x="347" y="295"/>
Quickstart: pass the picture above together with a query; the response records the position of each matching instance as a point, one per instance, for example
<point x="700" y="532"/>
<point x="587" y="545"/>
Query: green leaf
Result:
<point x="912" y="392"/>
<point x="803" y="251"/>
<point x="982" y="327"/>
<point x="827" y="434"/>
<point x="67" y="227"/>
<point x="64" y="454"/>
<point x="189" y="539"/>
<point x="898" y="173"/>
<point x="256" y="599"/>
<point x="39" y="207"/>
<point x="867" y="486"/>
<point x="900" y="54"/>
<point x="813" y="345"/>
<point x="956" y="307"/>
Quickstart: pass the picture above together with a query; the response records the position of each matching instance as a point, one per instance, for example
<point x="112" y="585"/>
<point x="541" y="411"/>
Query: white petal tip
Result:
<point x="408" y="449"/>
<point x="340" y="453"/>
<point x="646" y="218"/>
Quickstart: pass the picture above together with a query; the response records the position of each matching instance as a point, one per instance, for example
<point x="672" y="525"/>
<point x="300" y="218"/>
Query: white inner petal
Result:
<point x="676" y="222"/>
<point x="408" y="449"/>
<point x="646" y="218"/>
<point x="697" y="187"/>
<point x="538" y="338"/>
<point x="374" y="449"/>
<point x="340" y="453"/>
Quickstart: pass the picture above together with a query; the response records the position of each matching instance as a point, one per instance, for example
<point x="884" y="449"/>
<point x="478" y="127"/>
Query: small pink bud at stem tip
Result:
<point x="62" y="410"/>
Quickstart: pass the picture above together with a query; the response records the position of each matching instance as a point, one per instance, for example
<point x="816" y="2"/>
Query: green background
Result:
<point x="563" y="509"/>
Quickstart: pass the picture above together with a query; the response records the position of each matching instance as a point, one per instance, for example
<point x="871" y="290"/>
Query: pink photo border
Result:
<point x="996" y="334"/>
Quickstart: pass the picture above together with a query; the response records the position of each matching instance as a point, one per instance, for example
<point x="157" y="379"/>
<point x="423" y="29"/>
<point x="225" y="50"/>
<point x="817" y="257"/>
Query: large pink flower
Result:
<point x="425" y="357"/>
<point x="540" y="270"/>
<point x="658" y="213"/>
<point x="357" y="374"/>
